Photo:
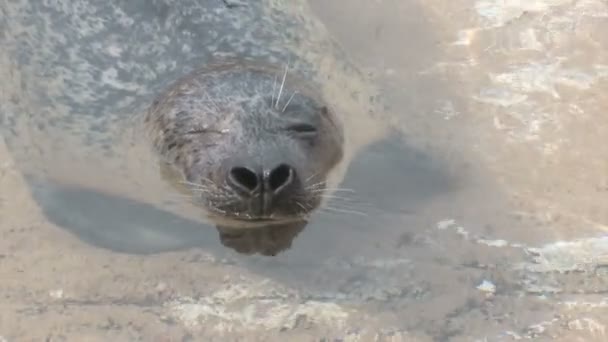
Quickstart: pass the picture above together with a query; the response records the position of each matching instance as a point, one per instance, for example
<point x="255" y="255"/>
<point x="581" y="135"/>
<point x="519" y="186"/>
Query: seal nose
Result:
<point x="280" y="178"/>
<point x="244" y="179"/>
<point x="273" y="181"/>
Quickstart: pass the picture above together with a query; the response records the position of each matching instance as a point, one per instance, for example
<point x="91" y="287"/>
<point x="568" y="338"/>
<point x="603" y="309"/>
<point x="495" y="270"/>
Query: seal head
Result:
<point x="252" y="145"/>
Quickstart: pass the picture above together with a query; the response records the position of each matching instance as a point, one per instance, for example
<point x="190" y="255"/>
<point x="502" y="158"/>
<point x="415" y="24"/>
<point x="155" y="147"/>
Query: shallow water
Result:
<point x="481" y="217"/>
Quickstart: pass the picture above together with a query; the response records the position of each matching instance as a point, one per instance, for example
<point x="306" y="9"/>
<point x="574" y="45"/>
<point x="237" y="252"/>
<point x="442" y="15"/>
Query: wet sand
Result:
<point x="485" y="220"/>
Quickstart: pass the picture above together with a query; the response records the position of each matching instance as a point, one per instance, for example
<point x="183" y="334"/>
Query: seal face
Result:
<point x="252" y="145"/>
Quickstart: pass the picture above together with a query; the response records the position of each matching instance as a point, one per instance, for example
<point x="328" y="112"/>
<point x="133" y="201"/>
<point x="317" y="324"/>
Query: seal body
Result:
<point x="242" y="105"/>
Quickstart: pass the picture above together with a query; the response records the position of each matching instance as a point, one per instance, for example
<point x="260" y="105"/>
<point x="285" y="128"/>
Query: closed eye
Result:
<point x="198" y="131"/>
<point x="303" y="128"/>
<point x="204" y="130"/>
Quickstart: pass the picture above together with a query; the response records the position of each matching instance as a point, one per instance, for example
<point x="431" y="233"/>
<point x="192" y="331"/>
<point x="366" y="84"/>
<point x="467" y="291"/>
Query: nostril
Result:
<point x="280" y="177"/>
<point x="243" y="178"/>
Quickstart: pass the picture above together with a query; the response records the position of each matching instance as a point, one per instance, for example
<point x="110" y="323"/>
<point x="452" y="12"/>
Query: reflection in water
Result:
<point x="267" y="241"/>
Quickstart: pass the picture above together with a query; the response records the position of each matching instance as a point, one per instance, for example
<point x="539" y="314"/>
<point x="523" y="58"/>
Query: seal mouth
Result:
<point x="257" y="221"/>
<point x="264" y="220"/>
<point x="260" y="219"/>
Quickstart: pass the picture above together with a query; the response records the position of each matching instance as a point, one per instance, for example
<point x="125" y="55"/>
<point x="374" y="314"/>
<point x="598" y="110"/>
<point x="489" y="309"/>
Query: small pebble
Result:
<point x="487" y="286"/>
<point x="56" y="294"/>
<point x="161" y="287"/>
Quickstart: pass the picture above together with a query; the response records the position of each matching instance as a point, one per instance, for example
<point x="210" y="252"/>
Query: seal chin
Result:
<point x="266" y="240"/>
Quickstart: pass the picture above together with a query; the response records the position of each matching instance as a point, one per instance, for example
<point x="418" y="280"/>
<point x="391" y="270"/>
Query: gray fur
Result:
<point x="112" y="57"/>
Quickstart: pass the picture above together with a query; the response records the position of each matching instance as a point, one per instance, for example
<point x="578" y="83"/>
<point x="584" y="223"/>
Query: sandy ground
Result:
<point x="510" y="94"/>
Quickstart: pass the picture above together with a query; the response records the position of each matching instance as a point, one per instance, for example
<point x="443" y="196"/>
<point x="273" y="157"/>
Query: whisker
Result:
<point x="188" y="183"/>
<point x="319" y="186"/>
<point x="196" y="185"/>
<point x="368" y="208"/>
<point x="311" y="177"/>
<point x="289" y="101"/>
<point x="346" y="202"/>
<point x="337" y="197"/>
<point x="208" y="181"/>
<point x="301" y="206"/>
<point x="343" y="211"/>
<point x="316" y="185"/>
<point x="200" y="191"/>
<point x="332" y="189"/>
<point x="274" y="87"/>
<point x="282" y="85"/>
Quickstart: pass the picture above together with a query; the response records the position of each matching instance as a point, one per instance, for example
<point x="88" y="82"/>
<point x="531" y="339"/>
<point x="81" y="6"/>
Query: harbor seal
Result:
<point x="245" y="109"/>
